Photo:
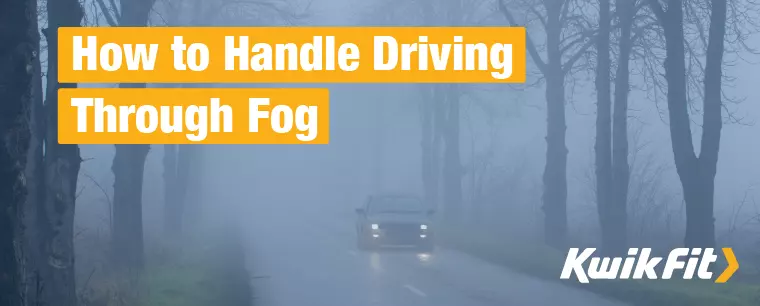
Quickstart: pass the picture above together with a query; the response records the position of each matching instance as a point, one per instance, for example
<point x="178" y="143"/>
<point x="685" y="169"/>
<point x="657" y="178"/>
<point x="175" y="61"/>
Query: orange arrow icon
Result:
<point x="733" y="265"/>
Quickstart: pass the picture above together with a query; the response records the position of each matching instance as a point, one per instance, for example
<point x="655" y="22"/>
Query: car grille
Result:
<point x="393" y="229"/>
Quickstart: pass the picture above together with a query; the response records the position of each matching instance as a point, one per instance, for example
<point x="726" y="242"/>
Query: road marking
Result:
<point x="415" y="290"/>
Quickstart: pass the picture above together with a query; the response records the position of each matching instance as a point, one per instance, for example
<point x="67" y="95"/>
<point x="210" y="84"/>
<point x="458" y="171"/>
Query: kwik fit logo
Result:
<point x="692" y="262"/>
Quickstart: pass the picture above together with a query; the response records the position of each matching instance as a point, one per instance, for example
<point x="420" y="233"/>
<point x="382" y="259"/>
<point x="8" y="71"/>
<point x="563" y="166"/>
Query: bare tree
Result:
<point x="55" y="212"/>
<point x="180" y="161"/>
<point x="625" y="12"/>
<point x="441" y="169"/>
<point x="603" y="144"/>
<point x="430" y="118"/>
<point x="652" y="206"/>
<point x="173" y="12"/>
<point x="170" y="190"/>
<point x="35" y="170"/>
<point x="18" y="32"/>
<point x="440" y="106"/>
<point x="568" y="37"/>
<point x="129" y="161"/>
<point x="611" y="147"/>
<point x="697" y="172"/>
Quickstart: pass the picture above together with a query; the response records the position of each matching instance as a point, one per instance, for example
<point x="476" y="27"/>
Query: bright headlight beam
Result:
<point x="423" y="227"/>
<point x="375" y="226"/>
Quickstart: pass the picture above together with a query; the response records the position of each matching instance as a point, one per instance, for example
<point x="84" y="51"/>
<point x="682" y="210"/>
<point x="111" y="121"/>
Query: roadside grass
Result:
<point x="208" y="274"/>
<point x="546" y="263"/>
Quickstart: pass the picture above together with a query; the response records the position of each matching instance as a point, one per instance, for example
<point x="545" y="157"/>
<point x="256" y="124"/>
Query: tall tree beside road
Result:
<point x="566" y="43"/>
<point x="696" y="172"/>
<point x="18" y="33"/>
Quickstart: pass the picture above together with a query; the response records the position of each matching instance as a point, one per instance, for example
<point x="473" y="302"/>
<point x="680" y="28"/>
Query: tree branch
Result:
<point x="287" y="13"/>
<point x="565" y="11"/>
<point x="529" y="42"/>
<point x="637" y="8"/>
<point x="571" y="62"/>
<point x="538" y="16"/>
<point x="116" y="13"/>
<point x="569" y="45"/>
<point x="656" y="7"/>
<point x="107" y="14"/>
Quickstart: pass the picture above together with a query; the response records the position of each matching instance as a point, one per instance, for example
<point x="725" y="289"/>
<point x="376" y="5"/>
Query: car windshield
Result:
<point x="407" y="205"/>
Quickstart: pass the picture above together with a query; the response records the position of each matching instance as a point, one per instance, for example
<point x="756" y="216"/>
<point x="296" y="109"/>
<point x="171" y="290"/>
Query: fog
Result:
<point x="294" y="205"/>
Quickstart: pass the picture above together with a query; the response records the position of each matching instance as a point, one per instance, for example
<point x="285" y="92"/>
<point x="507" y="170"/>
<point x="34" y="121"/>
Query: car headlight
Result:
<point x="423" y="227"/>
<point x="375" y="226"/>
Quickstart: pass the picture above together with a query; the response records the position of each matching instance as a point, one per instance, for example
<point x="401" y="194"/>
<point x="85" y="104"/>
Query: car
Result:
<point x="394" y="220"/>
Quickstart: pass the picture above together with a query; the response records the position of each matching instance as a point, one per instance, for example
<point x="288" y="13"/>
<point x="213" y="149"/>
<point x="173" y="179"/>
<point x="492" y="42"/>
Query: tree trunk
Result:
<point x="191" y="195"/>
<point x="680" y="129"/>
<point x="555" y="171"/>
<point x="35" y="173"/>
<point x="128" y="167"/>
<point x="185" y="161"/>
<point x="452" y="166"/>
<point x="378" y="149"/>
<point x="430" y="144"/>
<point x="439" y="126"/>
<point x="426" y="144"/>
<point x="171" y="226"/>
<point x="17" y="53"/>
<point x="700" y="230"/>
<point x="612" y="150"/>
<point x="603" y="144"/>
<point x="697" y="174"/>
<point x="431" y="125"/>
<point x="620" y="167"/>
<point x="62" y="162"/>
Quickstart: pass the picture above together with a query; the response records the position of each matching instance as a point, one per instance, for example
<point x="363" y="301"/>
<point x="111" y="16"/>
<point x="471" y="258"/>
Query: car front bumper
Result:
<point x="400" y="238"/>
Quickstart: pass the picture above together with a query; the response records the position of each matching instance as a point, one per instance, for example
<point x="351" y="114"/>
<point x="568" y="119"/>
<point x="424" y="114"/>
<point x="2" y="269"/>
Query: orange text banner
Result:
<point x="292" y="55"/>
<point x="193" y="116"/>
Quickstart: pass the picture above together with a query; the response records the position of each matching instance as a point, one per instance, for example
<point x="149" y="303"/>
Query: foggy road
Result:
<point x="308" y="256"/>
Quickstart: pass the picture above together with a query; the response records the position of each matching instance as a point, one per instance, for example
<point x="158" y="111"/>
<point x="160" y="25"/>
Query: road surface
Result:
<point x="304" y="256"/>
